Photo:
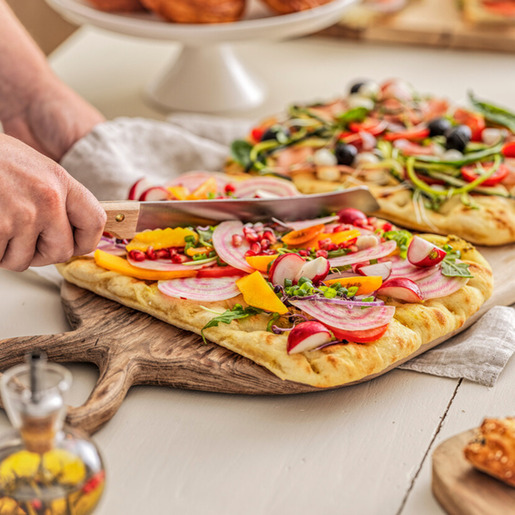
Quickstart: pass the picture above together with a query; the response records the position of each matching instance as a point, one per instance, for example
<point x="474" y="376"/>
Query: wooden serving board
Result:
<point x="461" y="489"/>
<point x="133" y="348"/>
<point x="437" y="23"/>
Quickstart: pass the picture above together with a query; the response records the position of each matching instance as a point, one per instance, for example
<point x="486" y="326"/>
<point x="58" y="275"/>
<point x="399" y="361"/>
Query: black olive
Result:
<point x="438" y="127"/>
<point x="458" y="137"/>
<point x="281" y="134"/>
<point x="345" y="154"/>
<point x="356" y="87"/>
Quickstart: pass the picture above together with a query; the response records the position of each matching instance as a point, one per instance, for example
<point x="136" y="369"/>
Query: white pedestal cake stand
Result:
<point x="207" y="76"/>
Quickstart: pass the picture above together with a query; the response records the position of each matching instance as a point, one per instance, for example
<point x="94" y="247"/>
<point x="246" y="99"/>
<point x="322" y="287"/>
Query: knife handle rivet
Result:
<point x="120" y="217"/>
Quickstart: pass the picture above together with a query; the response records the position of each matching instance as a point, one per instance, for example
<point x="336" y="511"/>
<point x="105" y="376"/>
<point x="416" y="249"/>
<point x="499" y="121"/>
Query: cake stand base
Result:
<point x="208" y="78"/>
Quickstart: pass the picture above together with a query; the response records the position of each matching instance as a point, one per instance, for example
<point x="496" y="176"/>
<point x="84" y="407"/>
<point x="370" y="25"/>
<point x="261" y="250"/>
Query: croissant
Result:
<point x="493" y="451"/>
<point x="197" y="11"/>
<point x="291" y="6"/>
<point x="117" y="5"/>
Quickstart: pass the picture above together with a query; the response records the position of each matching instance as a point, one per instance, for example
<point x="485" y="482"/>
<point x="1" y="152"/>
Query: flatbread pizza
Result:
<point x="433" y="166"/>
<point x="322" y="302"/>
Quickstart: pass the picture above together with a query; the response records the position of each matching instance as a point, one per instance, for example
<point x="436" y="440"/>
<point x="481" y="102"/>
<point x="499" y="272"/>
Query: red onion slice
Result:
<point x="403" y="268"/>
<point x="164" y="265"/>
<point x="110" y="246"/>
<point x="347" y="319"/>
<point x="437" y="285"/>
<point x="277" y="187"/>
<point x="204" y="289"/>
<point x="379" y="251"/>
<point x="227" y="252"/>
<point x="304" y="224"/>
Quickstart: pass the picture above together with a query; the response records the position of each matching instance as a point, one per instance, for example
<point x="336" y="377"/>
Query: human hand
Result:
<point x="50" y="117"/>
<point x="47" y="216"/>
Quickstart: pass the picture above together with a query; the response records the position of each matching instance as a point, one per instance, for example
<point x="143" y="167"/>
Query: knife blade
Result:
<point x="126" y="218"/>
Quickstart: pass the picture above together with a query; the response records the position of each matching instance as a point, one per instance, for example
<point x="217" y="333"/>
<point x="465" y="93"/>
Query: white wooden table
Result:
<point x="358" y="450"/>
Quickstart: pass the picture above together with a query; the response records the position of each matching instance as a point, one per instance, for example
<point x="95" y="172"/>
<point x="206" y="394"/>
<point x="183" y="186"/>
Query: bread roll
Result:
<point x="197" y="11"/>
<point x="291" y="6"/>
<point x="118" y="5"/>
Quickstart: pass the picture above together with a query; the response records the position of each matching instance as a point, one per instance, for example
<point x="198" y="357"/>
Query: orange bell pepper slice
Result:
<point x="178" y="192"/>
<point x="261" y="263"/>
<point x="161" y="239"/>
<point x="296" y="238"/>
<point x="366" y="284"/>
<point x="122" y="266"/>
<point x="208" y="188"/>
<point x="257" y="293"/>
<point x="340" y="237"/>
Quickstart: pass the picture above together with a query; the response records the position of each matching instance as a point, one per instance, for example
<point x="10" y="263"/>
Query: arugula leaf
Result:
<point x="240" y="152"/>
<point x="237" y="312"/>
<point x="494" y="113"/>
<point x="402" y="238"/>
<point x="357" y="114"/>
<point x="450" y="267"/>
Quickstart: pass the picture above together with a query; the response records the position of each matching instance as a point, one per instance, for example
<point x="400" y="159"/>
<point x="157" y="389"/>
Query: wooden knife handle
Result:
<point x="122" y="218"/>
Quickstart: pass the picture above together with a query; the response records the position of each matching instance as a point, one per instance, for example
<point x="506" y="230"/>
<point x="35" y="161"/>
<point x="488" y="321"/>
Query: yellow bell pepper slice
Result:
<point x="205" y="190"/>
<point x="340" y="237"/>
<point x="257" y="293"/>
<point x="161" y="239"/>
<point x="122" y="266"/>
<point x="261" y="262"/>
<point x="366" y="284"/>
<point x="178" y="192"/>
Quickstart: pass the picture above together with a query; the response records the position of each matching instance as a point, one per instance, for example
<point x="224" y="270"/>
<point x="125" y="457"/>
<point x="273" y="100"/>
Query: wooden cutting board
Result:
<point x="132" y="348"/>
<point x="435" y="23"/>
<point x="462" y="490"/>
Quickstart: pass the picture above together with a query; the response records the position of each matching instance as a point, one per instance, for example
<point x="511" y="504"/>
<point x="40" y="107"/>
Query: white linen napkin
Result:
<point x="119" y="152"/>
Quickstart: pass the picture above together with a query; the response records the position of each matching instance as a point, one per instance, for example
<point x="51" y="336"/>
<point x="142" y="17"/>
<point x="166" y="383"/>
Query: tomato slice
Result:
<point x="509" y="149"/>
<point x="416" y="134"/>
<point x="257" y="133"/>
<point x="219" y="271"/>
<point x="370" y="125"/>
<point x="506" y="8"/>
<point x="475" y="121"/>
<point x="470" y="173"/>
<point x="365" y="336"/>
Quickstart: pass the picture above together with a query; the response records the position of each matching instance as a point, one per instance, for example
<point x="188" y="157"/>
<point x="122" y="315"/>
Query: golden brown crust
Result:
<point x="197" y="11"/>
<point x="413" y="325"/>
<point x="118" y="5"/>
<point x="493" y="450"/>
<point x="291" y="6"/>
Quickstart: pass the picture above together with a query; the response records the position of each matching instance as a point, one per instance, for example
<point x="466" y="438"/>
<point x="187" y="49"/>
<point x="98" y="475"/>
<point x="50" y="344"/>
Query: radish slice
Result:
<point x="347" y="319"/>
<point x="154" y="193"/>
<point x="265" y="185"/>
<point x="210" y="289"/>
<point x="287" y="266"/>
<point x="424" y="253"/>
<point x="164" y="265"/>
<point x="138" y="188"/>
<point x="437" y="285"/>
<point x="192" y="180"/>
<point x="304" y="224"/>
<point x="307" y="336"/>
<point x="227" y="252"/>
<point x="379" y="251"/>
<point x="383" y="269"/>
<point x="401" y="288"/>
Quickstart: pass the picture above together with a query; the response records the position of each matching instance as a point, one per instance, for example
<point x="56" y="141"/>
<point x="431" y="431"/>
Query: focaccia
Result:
<point x="341" y="362"/>
<point x="433" y="166"/>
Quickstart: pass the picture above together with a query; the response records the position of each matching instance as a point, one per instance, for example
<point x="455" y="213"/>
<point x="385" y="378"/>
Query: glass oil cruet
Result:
<point x="46" y="468"/>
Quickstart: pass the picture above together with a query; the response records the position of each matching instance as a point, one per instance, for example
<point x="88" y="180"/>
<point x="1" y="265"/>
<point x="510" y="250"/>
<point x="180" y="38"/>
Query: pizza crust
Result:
<point x="413" y="325"/>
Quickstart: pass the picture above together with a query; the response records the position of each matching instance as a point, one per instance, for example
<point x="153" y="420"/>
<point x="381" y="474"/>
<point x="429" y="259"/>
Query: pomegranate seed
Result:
<point x="151" y="254"/>
<point x="250" y="253"/>
<point x="178" y="258"/>
<point x="353" y="248"/>
<point x="137" y="255"/>
<point x="387" y="227"/>
<point x="321" y="253"/>
<point x="237" y="240"/>
<point x="162" y="254"/>
<point x="265" y="244"/>
<point x="229" y="188"/>
<point x="324" y="244"/>
<point x="270" y="236"/>
<point x="304" y="252"/>
<point x="341" y="227"/>
<point x="256" y="248"/>
<point x="251" y="237"/>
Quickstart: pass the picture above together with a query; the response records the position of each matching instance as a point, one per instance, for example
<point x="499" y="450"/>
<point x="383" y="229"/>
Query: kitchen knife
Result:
<point x="126" y="218"/>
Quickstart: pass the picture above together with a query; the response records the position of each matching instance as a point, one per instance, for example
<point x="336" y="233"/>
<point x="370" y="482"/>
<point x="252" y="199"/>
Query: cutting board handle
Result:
<point x="122" y="218"/>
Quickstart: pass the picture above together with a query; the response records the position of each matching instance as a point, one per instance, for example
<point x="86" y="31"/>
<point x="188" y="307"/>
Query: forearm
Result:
<point x="23" y="67"/>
